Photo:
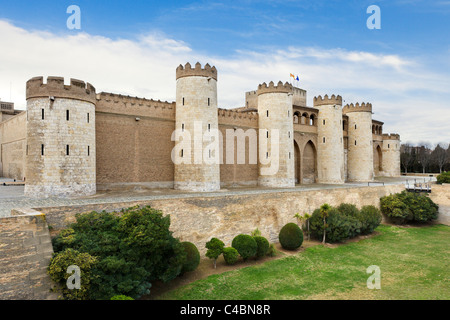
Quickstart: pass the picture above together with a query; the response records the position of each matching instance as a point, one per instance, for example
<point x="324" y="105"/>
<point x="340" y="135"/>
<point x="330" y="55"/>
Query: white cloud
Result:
<point x="409" y="98"/>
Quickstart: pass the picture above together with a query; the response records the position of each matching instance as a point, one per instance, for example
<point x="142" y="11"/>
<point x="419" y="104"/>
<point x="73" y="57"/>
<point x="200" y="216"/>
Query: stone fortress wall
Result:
<point x="128" y="140"/>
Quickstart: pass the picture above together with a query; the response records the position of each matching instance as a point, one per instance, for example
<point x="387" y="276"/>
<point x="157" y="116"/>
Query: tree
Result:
<point x="406" y="156"/>
<point x="301" y="219"/>
<point x="424" y="157"/>
<point x="215" y="249"/>
<point x="440" y="155"/>
<point x="324" y="209"/>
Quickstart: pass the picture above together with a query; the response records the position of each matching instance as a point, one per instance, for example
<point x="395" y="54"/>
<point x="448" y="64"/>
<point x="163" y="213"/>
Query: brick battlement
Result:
<point x="188" y="71"/>
<point x="272" y="88"/>
<point x="319" y="101"/>
<point x="364" y="107"/>
<point x="78" y="90"/>
<point x="391" y="136"/>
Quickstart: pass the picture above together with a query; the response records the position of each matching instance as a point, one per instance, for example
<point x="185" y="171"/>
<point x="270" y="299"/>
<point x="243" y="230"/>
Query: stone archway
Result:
<point x="309" y="163"/>
<point x="297" y="161"/>
<point x="377" y="160"/>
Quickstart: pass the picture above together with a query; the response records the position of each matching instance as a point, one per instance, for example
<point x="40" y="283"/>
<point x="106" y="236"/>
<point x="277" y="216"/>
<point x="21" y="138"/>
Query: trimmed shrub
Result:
<point x="245" y="245"/>
<point x="444" y="177"/>
<point x="371" y="219"/>
<point x="263" y="246"/>
<point x="291" y="236"/>
<point x="57" y="270"/>
<point x="408" y="206"/>
<point x="230" y="255"/>
<point x="121" y="297"/>
<point x="339" y="226"/>
<point x="192" y="257"/>
<point x="215" y="249"/>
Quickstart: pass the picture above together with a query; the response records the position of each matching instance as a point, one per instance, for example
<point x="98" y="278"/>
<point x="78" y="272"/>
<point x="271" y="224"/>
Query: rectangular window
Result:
<point x="42" y="149"/>
<point x="355" y="142"/>
<point x="289" y="155"/>
<point x="182" y="153"/>
<point x="210" y="153"/>
<point x="89" y="151"/>
<point x="209" y="101"/>
<point x="67" y="150"/>
<point x="267" y="155"/>
<point x="88" y="118"/>
<point x="183" y="101"/>
<point x="209" y="127"/>
<point x="43" y="114"/>
<point x="67" y="115"/>
<point x="323" y="139"/>
<point x="267" y="113"/>
<point x="324" y="122"/>
<point x="182" y="127"/>
<point x="267" y="134"/>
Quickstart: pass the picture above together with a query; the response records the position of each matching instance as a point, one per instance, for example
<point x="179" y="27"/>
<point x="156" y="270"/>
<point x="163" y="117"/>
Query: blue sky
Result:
<point x="133" y="47"/>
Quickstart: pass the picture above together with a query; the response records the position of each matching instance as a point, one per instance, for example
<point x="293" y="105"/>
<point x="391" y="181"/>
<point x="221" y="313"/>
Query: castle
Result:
<point x="72" y="141"/>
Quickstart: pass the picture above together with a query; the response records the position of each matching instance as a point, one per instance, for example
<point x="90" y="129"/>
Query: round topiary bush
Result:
<point x="371" y="219"/>
<point x="192" y="258"/>
<point x="263" y="246"/>
<point x="231" y="255"/>
<point x="245" y="245"/>
<point x="291" y="236"/>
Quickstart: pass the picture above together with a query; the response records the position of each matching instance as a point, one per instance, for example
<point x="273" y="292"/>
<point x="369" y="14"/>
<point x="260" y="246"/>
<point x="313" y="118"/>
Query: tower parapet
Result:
<point x="78" y="90"/>
<point x="360" y="142"/>
<point x="276" y="140"/>
<point x="188" y="71"/>
<point x="330" y="145"/>
<point x="197" y="161"/>
<point x="272" y="88"/>
<point x="391" y="155"/>
<point x="326" y="100"/>
<point x="61" y="145"/>
<point x="363" y="107"/>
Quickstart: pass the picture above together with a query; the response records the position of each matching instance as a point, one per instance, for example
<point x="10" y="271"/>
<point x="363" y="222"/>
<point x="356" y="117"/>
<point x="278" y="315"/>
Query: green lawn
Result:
<point x="414" y="264"/>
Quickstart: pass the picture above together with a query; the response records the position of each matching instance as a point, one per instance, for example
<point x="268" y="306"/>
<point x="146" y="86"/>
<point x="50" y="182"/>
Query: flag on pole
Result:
<point x="297" y="79"/>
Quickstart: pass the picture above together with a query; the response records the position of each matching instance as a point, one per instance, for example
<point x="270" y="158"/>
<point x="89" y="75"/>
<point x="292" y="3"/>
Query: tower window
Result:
<point x="67" y="150"/>
<point x="209" y="102"/>
<point x="289" y="155"/>
<point x="88" y="118"/>
<point x="42" y="149"/>
<point x="389" y="146"/>
<point x="323" y="121"/>
<point x="289" y="113"/>
<point x="43" y="114"/>
<point x="267" y="134"/>
<point x="267" y="113"/>
<point x="289" y="134"/>
<point x="267" y="155"/>
<point x="182" y="153"/>
<point x="182" y="127"/>
<point x="355" y="127"/>
<point x="209" y="127"/>
<point x="89" y="151"/>
<point x="355" y="142"/>
<point x="67" y="115"/>
<point x="324" y="140"/>
<point x="183" y="101"/>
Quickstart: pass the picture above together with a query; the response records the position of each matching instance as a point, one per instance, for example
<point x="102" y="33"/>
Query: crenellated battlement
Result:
<point x="333" y="100"/>
<point x="391" y="136"/>
<point x="272" y="88"/>
<point x="78" y="90"/>
<point x="188" y="71"/>
<point x="363" y="107"/>
<point x="227" y="113"/>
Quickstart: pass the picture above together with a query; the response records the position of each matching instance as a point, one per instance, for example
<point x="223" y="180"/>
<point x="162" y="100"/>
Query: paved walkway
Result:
<point x="13" y="196"/>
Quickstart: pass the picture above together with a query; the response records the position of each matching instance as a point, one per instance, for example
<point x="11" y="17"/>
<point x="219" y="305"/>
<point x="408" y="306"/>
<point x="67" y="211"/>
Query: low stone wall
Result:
<point x="198" y="219"/>
<point x="25" y="252"/>
<point x="440" y="194"/>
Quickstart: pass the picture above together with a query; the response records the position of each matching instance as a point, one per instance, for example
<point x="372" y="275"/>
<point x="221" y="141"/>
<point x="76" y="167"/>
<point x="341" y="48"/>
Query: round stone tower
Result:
<point x="60" y="157"/>
<point x="330" y="140"/>
<point x="276" y="135"/>
<point x="391" y="155"/>
<point x="360" y="142"/>
<point x="197" y="161"/>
